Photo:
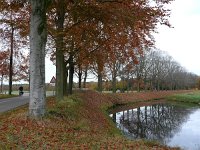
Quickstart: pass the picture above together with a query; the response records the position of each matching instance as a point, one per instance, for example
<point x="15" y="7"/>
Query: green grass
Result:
<point x="193" y="97"/>
<point x="67" y="107"/>
<point x="2" y="96"/>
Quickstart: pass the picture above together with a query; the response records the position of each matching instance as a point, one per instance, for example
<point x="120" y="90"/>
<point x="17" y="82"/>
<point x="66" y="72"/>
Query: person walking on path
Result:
<point x="21" y="91"/>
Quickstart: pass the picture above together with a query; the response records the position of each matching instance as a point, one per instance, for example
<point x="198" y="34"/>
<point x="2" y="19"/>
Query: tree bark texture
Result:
<point x="60" y="71"/>
<point x="38" y="36"/>
<point x="114" y="76"/>
<point x="100" y="81"/>
<point x="11" y="60"/>
<point x="2" y="83"/>
<point x="59" y="74"/>
<point x="79" y="76"/>
<point x="85" y="77"/>
<point x="65" y="75"/>
<point x="71" y="74"/>
<point x="100" y="76"/>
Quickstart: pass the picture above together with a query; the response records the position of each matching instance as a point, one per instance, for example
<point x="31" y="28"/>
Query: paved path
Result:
<point x="11" y="103"/>
<point x="14" y="102"/>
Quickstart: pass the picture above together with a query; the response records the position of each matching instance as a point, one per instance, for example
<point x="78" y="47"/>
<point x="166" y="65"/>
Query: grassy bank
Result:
<point x="2" y="96"/>
<point x="77" y="122"/>
<point x="192" y="97"/>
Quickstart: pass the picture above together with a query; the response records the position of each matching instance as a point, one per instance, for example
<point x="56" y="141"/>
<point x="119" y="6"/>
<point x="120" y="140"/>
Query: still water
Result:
<point x="170" y="124"/>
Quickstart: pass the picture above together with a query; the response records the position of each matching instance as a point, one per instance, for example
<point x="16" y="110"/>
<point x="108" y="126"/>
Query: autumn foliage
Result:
<point x="4" y="64"/>
<point x="89" y="33"/>
<point x="77" y="122"/>
<point x="93" y="32"/>
<point x="14" y="22"/>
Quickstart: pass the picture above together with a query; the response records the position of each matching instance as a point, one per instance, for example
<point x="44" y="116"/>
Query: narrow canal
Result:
<point x="170" y="124"/>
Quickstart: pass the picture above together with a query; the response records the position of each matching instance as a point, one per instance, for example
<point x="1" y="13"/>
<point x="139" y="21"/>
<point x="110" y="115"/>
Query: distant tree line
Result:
<point x="156" y="70"/>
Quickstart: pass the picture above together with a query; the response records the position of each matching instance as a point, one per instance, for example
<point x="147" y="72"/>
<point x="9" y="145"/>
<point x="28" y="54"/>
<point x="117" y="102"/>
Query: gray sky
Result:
<point x="50" y="70"/>
<point x="181" y="42"/>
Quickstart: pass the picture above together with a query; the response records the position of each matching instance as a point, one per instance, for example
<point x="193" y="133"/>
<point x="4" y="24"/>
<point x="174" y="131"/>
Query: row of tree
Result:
<point x="81" y="28"/>
<point x="14" y="39"/>
<point x="155" y="70"/>
<point x="80" y="35"/>
<point x="15" y="70"/>
<point x="91" y="34"/>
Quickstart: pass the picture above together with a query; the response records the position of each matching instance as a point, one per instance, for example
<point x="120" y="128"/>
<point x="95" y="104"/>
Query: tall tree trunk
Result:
<point x="11" y="60"/>
<point x="128" y="87"/>
<point x="29" y="83"/>
<point x="114" y="81"/>
<point x="79" y="76"/>
<point x="114" y="76"/>
<point x="2" y="83"/>
<point x="38" y="36"/>
<point x="60" y="73"/>
<point x="85" y="77"/>
<point x="100" y="76"/>
<point x="65" y="75"/>
<point x="100" y="81"/>
<point x="79" y="80"/>
<point x="71" y="74"/>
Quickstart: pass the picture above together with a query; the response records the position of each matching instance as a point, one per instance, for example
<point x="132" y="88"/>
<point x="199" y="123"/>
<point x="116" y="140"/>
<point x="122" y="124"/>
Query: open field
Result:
<point x="79" y="121"/>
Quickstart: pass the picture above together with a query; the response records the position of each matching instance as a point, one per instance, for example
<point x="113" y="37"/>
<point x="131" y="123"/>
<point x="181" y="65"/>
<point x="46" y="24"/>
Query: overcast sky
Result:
<point x="181" y="42"/>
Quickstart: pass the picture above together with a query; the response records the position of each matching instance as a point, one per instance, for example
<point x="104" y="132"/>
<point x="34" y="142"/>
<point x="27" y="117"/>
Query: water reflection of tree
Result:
<point x="157" y="122"/>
